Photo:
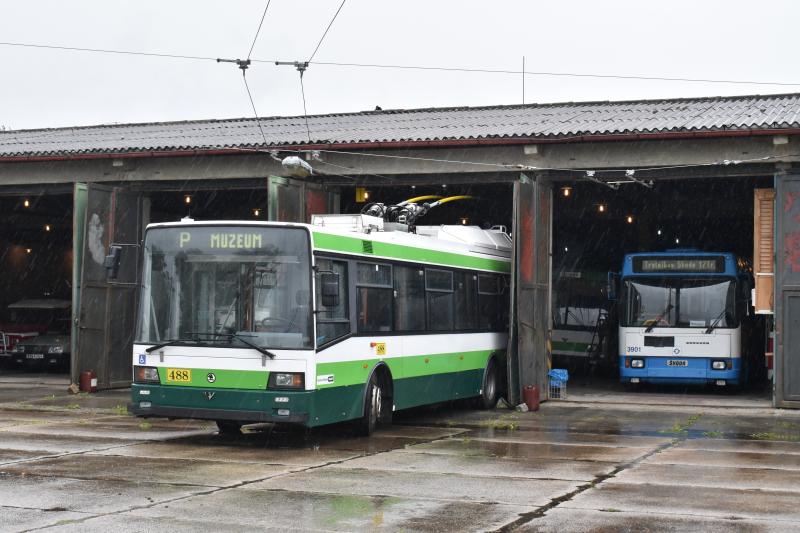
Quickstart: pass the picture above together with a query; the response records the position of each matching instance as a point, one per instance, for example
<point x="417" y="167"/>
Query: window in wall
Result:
<point x="466" y="300"/>
<point x="409" y="299"/>
<point x="375" y="295"/>
<point x="439" y="299"/>
<point x="332" y="322"/>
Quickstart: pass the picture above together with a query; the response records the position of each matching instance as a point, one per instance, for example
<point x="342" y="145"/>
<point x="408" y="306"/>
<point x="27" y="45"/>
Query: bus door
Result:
<point x="104" y="309"/>
<point x="529" y="354"/>
<point x="295" y="200"/>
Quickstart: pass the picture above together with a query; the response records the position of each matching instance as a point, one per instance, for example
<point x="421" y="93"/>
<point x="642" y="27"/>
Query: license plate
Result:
<point x="34" y="356"/>
<point x="179" y="375"/>
<point x="677" y="362"/>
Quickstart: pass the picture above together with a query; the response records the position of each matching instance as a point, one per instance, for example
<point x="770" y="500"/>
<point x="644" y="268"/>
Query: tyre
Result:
<point x="490" y="391"/>
<point x="374" y="405"/>
<point x="229" y="427"/>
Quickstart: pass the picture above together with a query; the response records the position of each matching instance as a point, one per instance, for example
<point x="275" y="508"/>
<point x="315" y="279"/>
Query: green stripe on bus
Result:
<point x="216" y="379"/>
<point x="571" y="346"/>
<point x="346" y="373"/>
<point x="337" y="243"/>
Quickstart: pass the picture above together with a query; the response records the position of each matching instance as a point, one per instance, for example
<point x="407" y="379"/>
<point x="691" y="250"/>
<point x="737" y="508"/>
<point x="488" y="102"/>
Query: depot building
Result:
<point x="578" y="185"/>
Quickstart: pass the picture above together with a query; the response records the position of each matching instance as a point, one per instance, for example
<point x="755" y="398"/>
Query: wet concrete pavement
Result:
<point x="79" y="463"/>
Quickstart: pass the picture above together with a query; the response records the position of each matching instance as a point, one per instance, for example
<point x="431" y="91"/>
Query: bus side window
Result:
<point x="439" y="299"/>
<point x="332" y="322"/>
<point x="466" y="305"/>
<point x="375" y="295"/>
<point x="409" y="298"/>
<point x="489" y="306"/>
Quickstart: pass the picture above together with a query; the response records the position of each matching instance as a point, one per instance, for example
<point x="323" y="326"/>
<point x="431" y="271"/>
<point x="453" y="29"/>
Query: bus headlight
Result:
<point x="286" y="380"/>
<point x="637" y="363"/>
<point x="145" y="374"/>
<point x="718" y="365"/>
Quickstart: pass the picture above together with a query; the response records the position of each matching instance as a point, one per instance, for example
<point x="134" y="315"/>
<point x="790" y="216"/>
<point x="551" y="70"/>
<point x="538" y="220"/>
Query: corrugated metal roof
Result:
<point x="544" y="121"/>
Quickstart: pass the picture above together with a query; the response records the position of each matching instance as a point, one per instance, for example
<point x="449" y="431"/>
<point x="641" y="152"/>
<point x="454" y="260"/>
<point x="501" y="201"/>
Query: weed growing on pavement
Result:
<point x="145" y="425"/>
<point x="775" y="436"/>
<point x="681" y="428"/>
<point x="121" y="409"/>
<point x="712" y="434"/>
<point x="72" y="406"/>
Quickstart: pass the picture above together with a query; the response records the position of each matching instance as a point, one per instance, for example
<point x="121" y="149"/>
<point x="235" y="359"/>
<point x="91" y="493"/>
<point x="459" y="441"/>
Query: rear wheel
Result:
<point x="229" y="427"/>
<point x="491" y="386"/>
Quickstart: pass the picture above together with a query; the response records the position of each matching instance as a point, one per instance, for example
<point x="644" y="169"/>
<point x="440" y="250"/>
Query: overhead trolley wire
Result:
<point x="310" y="59"/>
<point x="263" y="15"/>
<point x="413" y="67"/>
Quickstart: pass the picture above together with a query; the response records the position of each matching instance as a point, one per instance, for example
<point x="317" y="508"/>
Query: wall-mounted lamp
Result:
<point x="26" y="203"/>
<point x="629" y="219"/>
<point x="566" y="191"/>
<point x="464" y="221"/>
<point x="601" y="208"/>
<point x="256" y="212"/>
<point x="28" y="250"/>
<point x="187" y="199"/>
<point x="47" y="227"/>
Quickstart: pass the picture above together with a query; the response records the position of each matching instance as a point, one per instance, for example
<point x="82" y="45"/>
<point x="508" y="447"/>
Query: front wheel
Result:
<point x="491" y="386"/>
<point x="374" y="404"/>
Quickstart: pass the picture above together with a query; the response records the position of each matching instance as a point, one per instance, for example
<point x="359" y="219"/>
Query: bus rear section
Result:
<point x="681" y="317"/>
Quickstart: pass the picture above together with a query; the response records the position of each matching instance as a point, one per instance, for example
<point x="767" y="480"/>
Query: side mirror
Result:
<point x="611" y="285"/>
<point x="112" y="261"/>
<point x="329" y="287"/>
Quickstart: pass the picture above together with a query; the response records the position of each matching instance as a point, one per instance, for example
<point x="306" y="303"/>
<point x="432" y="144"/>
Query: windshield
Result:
<point x="212" y="284"/>
<point x="679" y="302"/>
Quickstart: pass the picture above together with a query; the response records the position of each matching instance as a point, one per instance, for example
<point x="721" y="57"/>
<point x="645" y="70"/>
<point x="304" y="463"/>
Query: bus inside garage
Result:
<point x="595" y="226"/>
<point x="36" y="283"/>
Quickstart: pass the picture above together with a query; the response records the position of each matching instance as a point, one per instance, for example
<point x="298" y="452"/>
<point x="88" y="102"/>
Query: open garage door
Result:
<point x="106" y="310"/>
<point x="295" y="200"/>
<point x="529" y="358"/>
<point x="787" y="363"/>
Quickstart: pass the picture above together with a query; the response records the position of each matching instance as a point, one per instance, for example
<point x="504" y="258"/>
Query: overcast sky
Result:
<point x="740" y="40"/>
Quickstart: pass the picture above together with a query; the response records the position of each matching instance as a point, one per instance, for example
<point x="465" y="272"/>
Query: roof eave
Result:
<point x="439" y="143"/>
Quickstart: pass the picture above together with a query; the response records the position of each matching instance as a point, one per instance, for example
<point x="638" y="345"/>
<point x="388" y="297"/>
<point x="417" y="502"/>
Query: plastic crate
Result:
<point x="557" y="384"/>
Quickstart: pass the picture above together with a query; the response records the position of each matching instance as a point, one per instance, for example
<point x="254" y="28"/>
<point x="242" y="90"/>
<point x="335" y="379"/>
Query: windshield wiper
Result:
<point x="170" y="343"/>
<point x="239" y="337"/>
<point x="663" y="316"/>
<point x="713" y="325"/>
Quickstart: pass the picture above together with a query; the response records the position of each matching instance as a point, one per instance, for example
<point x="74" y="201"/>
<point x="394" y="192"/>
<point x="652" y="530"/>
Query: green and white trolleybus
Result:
<point x="350" y="317"/>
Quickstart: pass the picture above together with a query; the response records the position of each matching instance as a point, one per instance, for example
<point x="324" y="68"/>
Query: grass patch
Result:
<point x="120" y="409"/>
<point x="72" y="406"/>
<point x="713" y="434"/>
<point x="144" y="425"/>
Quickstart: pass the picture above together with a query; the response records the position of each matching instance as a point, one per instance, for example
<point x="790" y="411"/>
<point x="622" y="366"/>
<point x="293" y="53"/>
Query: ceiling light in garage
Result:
<point x="28" y="250"/>
<point x="601" y="208"/>
<point x="658" y="232"/>
<point x="47" y="227"/>
<point x="629" y="219"/>
<point x="187" y="199"/>
<point x="677" y="240"/>
<point x="566" y="191"/>
<point x="26" y="203"/>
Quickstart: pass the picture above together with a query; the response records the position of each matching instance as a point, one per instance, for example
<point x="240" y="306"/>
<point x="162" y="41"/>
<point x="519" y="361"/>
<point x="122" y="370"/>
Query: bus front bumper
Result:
<point x="252" y="406"/>
<point x="698" y="370"/>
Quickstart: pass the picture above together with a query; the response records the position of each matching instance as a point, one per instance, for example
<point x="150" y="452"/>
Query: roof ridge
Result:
<point x="699" y="99"/>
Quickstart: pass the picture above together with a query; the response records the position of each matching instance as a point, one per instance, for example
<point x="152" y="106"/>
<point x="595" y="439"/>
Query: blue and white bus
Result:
<point x="680" y="317"/>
